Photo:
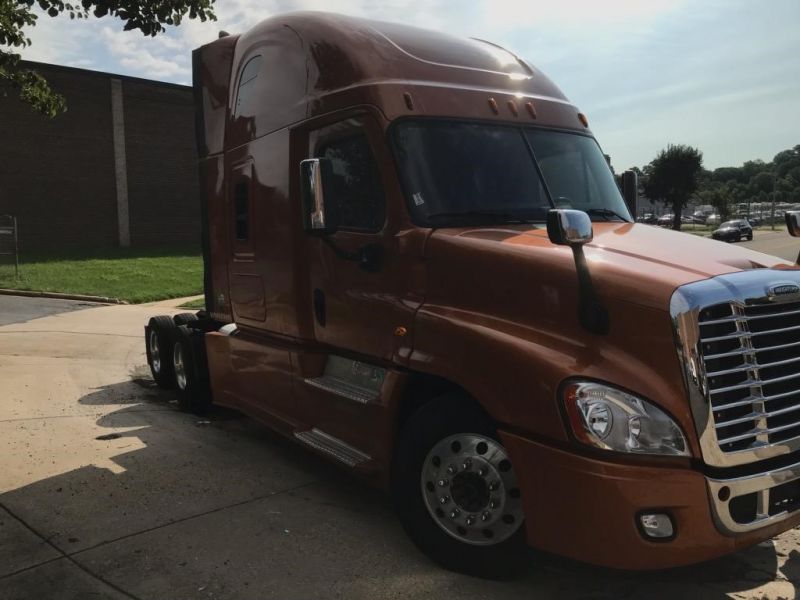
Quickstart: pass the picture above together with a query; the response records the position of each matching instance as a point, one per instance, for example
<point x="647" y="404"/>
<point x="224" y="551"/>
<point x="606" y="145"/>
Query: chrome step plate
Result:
<point x="324" y="442"/>
<point x="343" y="388"/>
<point x="351" y="379"/>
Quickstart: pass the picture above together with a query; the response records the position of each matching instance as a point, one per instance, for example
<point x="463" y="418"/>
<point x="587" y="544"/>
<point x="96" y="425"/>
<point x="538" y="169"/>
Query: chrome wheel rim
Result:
<point x="180" y="369"/>
<point x="470" y="489"/>
<point x="155" y="355"/>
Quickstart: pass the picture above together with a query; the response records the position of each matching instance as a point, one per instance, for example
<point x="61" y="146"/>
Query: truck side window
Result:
<point x="241" y="201"/>
<point x="356" y="188"/>
<point x="246" y="86"/>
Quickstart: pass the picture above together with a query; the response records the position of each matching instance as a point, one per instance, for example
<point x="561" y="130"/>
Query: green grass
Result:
<point x="197" y="304"/>
<point x="132" y="275"/>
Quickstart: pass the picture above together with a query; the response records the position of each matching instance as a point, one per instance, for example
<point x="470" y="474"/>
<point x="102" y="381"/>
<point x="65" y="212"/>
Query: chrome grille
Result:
<point x="751" y="362"/>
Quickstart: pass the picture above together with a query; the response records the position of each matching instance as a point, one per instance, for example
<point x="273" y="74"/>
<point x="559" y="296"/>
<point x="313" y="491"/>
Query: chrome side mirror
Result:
<point x="567" y="227"/>
<point x="573" y="228"/>
<point x="318" y="218"/>
<point x="793" y="222"/>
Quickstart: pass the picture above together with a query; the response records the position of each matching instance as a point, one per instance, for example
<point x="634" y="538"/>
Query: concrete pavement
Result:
<point x="107" y="491"/>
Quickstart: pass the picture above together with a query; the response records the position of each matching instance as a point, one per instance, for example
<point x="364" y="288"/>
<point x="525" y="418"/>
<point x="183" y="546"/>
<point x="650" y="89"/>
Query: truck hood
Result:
<point x="639" y="263"/>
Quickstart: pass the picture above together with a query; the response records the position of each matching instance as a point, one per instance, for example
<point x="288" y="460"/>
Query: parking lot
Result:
<point x="108" y="491"/>
<point x="777" y="243"/>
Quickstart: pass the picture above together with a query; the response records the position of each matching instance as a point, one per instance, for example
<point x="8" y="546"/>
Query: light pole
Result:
<point x="774" y="185"/>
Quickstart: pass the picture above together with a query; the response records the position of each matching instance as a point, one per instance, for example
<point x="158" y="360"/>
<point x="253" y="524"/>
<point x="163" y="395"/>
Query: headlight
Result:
<point x="611" y="419"/>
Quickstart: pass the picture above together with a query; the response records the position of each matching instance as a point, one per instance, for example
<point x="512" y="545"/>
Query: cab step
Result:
<point x="346" y="389"/>
<point x="332" y="446"/>
<point x="352" y="379"/>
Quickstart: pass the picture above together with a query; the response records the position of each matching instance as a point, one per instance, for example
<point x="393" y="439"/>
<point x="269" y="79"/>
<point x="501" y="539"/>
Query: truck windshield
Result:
<point x="468" y="174"/>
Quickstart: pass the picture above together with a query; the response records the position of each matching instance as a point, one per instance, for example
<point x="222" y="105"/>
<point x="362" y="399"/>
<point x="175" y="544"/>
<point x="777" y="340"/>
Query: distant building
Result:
<point x="118" y="168"/>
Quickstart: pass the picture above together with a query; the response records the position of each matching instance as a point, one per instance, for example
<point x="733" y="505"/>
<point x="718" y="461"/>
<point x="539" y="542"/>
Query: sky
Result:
<point x="720" y="75"/>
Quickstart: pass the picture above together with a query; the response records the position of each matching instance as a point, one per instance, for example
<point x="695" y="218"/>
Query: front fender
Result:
<point x="515" y="370"/>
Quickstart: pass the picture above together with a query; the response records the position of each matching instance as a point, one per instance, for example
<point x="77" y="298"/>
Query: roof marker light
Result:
<point x="531" y="109"/>
<point x="409" y="100"/>
<point x="512" y="106"/>
<point x="493" y="106"/>
<point x="582" y="118"/>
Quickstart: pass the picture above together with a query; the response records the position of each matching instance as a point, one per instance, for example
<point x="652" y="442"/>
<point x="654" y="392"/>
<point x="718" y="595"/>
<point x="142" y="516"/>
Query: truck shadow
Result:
<point x="219" y="502"/>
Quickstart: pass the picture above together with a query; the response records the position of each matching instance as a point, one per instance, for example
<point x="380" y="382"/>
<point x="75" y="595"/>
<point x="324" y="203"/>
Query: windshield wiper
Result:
<point x="605" y="212"/>
<point x="499" y="216"/>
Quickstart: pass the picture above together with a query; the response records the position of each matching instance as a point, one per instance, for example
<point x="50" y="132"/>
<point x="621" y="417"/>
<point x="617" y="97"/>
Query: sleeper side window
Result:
<point x="242" y="209"/>
<point x="356" y="186"/>
<point x="241" y="203"/>
<point x="246" y="86"/>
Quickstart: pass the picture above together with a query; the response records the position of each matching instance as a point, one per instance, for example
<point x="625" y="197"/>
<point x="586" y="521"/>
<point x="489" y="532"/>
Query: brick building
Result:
<point x="118" y="168"/>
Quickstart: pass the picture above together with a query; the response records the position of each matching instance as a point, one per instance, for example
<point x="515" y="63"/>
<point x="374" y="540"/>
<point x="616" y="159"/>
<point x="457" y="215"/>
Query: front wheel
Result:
<point x="456" y="492"/>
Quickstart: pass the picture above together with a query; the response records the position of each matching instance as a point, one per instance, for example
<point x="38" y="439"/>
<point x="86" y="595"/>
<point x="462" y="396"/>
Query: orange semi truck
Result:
<point x="419" y="265"/>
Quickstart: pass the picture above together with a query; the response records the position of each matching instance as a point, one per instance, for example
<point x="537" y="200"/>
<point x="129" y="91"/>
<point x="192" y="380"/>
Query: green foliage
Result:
<point x="754" y="181"/>
<point x="148" y="16"/>
<point x="673" y="176"/>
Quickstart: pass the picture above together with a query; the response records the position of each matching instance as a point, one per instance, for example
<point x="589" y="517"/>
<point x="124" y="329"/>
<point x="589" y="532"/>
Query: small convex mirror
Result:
<point x="568" y="227"/>
<point x="318" y="218"/>
<point x="793" y="222"/>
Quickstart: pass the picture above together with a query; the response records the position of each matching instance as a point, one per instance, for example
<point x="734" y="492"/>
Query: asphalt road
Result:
<point x="18" y="309"/>
<point x="107" y="491"/>
<point x="777" y="243"/>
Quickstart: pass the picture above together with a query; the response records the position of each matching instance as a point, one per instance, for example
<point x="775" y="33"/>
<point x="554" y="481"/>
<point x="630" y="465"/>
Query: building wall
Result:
<point x="57" y="176"/>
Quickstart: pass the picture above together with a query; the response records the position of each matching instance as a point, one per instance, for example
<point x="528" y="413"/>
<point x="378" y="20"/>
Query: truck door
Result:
<point x="362" y="316"/>
<point x="358" y="307"/>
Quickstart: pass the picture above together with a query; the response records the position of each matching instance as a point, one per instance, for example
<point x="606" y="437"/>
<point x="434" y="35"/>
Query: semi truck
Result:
<point x="418" y="264"/>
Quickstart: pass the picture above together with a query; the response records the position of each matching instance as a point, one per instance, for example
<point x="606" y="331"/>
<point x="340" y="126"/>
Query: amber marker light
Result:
<point x="400" y="331"/>
<point x="582" y="118"/>
<point x="408" y="100"/>
<point x="493" y="106"/>
<point x="531" y="109"/>
<point x="512" y="106"/>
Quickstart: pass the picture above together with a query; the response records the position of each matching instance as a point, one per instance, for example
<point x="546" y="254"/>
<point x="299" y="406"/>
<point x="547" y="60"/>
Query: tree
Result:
<point x="673" y="176"/>
<point x="148" y="16"/>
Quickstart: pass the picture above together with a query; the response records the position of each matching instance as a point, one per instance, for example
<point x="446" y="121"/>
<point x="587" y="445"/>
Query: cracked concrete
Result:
<point x="172" y="506"/>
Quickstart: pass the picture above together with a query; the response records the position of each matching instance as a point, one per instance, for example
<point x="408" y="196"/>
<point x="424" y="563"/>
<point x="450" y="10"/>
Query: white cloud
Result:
<point x="131" y="51"/>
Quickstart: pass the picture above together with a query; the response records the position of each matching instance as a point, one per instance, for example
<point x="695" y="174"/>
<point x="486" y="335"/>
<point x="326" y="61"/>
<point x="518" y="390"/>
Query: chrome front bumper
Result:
<point x="761" y="491"/>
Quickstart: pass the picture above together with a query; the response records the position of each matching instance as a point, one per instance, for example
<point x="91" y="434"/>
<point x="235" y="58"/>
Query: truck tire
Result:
<point x="159" y="336"/>
<point x="455" y="491"/>
<point x="190" y="368"/>
<point x="184" y="318"/>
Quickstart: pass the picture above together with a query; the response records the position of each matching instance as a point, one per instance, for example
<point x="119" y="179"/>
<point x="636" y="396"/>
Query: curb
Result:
<point x="59" y="296"/>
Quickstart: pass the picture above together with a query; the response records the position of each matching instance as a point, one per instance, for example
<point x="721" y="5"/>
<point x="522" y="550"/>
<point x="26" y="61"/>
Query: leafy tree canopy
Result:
<point x="673" y="176"/>
<point x="148" y="16"/>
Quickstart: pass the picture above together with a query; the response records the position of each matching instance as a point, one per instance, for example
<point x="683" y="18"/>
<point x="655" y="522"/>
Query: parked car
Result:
<point x="754" y="221"/>
<point x="666" y="220"/>
<point x="649" y="218"/>
<point x="733" y="231"/>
